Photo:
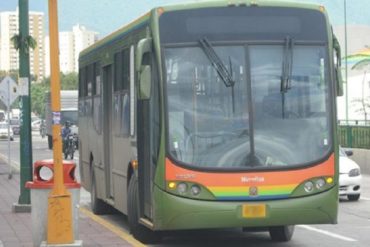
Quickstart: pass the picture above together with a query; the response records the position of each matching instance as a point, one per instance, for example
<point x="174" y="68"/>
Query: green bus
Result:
<point x="213" y="115"/>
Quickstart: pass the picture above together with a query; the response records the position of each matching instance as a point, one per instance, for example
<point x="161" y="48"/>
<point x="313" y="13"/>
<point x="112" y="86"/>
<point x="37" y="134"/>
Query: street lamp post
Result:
<point x="25" y="100"/>
<point x="345" y="56"/>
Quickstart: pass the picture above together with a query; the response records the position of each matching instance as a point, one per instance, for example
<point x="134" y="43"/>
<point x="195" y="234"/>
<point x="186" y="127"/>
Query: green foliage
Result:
<point x="28" y="42"/>
<point x="38" y="91"/>
<point x="13" y="74"/>
<point x="68" y="82"/>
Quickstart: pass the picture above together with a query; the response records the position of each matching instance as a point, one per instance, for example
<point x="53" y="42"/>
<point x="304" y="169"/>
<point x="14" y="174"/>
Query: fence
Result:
<point x="354" y="136"/>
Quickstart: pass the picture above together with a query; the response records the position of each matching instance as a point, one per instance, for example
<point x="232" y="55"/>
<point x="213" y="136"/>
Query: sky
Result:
<point x="106" y="16"/>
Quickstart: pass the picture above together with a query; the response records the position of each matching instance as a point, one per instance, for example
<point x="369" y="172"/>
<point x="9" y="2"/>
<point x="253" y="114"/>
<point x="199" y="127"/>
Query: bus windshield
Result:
<point x="275" y="113"/>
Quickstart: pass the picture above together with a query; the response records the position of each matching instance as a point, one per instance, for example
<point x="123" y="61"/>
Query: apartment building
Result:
<point x="9" y="58"/>
<point x="71" y="43"/>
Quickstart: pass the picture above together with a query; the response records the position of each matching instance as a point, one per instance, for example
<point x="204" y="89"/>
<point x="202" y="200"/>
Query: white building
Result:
<point x="9" y="58"/>
<point x="70" y="46"/>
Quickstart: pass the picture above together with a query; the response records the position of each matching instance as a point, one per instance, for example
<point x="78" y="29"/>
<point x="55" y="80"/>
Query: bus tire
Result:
<point x="140" y="232"/>
<point x="97" y="205"/>
<point x="281" y="233"/>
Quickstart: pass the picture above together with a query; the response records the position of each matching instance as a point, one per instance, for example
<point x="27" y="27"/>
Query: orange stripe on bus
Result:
<point x="266" y="178"/>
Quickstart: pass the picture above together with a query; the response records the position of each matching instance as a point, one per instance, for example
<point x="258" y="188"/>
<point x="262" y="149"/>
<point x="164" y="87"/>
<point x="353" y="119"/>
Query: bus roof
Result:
<point x="142" y="20"/>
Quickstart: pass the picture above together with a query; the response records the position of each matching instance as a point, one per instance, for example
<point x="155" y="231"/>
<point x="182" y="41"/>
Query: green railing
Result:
<point x="354" y="136"/>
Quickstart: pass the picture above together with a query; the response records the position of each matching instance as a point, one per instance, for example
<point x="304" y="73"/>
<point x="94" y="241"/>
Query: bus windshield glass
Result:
<point x="275" y="113"/>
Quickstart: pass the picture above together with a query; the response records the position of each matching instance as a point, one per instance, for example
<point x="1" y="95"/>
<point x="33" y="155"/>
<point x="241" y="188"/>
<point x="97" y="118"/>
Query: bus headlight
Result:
<point x="320" y="183"/>
<point x="308" y="186"/>
<point x="195" y="190"/>
<point x="182" y="188"/>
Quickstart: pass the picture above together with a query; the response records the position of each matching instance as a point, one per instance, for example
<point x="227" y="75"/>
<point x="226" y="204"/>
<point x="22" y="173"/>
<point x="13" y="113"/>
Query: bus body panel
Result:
<point x="123" y="146"/>
<point x="175" y="213"/>
<point x="265" y="184"/>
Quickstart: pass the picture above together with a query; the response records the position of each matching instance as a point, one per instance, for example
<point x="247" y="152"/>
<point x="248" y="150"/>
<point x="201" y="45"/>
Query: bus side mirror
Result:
<point x="338" y="70"/>
<point x="144" y="48"/>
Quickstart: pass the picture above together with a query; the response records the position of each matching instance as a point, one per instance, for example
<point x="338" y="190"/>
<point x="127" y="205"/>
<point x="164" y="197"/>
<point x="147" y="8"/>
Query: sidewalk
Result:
<point x="16" y="228"/>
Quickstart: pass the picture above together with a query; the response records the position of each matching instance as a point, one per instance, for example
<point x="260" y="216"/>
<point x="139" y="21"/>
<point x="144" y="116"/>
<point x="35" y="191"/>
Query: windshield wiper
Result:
<point x="286" y="74"/>
<point x="216" y="62"/>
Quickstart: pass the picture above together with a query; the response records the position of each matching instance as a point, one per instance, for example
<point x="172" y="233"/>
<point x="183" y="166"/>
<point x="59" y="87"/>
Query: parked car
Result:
<point x="4" y="132"/>
<point x="14" y="124"/>
<point x="349" y="176"/>
<point x="35" y="125"/>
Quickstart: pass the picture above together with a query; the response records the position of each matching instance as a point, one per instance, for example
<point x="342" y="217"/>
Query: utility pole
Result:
<point x="345" y="54"/>
<point x="60" y="228"/>
<point x="25" y="105"/>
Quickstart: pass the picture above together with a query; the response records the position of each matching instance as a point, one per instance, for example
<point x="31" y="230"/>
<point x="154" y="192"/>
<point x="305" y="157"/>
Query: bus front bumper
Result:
<point x="178" y="213"/>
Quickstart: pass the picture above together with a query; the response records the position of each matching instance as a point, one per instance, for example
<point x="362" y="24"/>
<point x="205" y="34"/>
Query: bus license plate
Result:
<point x="254" y="211"/>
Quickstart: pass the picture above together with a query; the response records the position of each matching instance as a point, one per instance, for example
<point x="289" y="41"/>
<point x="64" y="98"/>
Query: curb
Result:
<point x="119" y="232"/>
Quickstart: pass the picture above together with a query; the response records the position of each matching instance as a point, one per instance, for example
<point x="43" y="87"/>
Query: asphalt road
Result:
<point x="352" y="230"/>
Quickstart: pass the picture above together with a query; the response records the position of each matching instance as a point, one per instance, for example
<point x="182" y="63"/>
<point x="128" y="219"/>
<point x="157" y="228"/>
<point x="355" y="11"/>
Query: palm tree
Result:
<point x="28" y="42"/>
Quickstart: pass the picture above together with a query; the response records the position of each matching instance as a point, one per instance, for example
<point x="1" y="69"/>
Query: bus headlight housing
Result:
<point x="182" y="188"/>
<point x="320" y="183"/>
<point x="308" y="186"/>
<point x="195" y="190"/>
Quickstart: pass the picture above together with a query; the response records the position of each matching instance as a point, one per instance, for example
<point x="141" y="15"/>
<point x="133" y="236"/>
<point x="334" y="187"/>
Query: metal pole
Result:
<point x="59" y="200"/>
<point x="345" y="53"/>
<point x="9" y="159"/>
<point x="25" y="120"/>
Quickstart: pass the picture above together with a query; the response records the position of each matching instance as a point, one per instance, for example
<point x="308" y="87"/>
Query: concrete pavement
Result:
<point x="16" y="228"/>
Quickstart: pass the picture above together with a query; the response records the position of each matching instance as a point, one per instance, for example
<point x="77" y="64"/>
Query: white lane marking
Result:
<point x="330" y="234"/>
<point x="364" y="198"/>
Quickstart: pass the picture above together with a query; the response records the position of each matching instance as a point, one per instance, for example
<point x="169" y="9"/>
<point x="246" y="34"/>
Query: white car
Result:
<point x="4" y="132"/>
<point x="35" y="125"/>
<point x="349" y="176"/>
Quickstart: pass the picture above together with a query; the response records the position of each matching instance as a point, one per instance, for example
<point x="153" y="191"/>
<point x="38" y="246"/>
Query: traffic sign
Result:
<point x="8" y="91"/>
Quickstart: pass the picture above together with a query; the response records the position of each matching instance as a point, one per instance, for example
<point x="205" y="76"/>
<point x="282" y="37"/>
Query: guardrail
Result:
<point x="354" y="136"/>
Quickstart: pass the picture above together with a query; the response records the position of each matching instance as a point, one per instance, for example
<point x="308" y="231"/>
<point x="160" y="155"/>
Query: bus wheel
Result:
<point x="281" y="233"/>
<point x="97" y="205"/>
<point x="139" y="231"/>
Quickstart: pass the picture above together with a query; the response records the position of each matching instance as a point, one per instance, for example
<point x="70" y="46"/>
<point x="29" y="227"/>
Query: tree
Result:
<point x="28" y="42"/>
<point x="68" y="82"/>
<point x="38" y="91"/>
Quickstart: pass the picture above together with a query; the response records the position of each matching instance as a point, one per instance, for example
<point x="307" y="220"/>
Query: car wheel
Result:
<point x="353" y="197"/>
<point x="281" y="233"/>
